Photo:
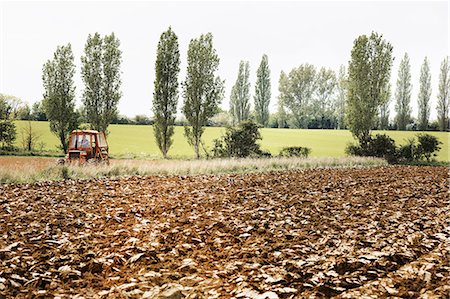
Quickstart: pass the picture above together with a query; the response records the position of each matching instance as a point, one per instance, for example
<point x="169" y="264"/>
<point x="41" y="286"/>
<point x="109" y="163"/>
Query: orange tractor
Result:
<point x="87" y="146"/>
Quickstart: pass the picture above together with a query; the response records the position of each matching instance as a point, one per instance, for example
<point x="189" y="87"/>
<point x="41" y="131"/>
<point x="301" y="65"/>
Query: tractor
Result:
<point x="87" y="146"/>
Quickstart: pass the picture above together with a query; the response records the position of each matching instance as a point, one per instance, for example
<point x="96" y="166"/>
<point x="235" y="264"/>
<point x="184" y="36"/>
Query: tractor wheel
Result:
<point x="61" y="161"/>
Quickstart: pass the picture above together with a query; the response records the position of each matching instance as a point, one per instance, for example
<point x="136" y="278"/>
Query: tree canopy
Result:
<point x="59" y="95"/>
<point x="262" y="92"/>
<point x="202" y="89"/>
<point x="444" y="95"/>
<point x="240" y="95"/>
<point x="296" y="91"/>
<point x="424" y="95"/>
<point x="165" y="95"/>
<point x="403" y="94"/>
<point x="368" y="77"/>
<point x="100" y="71"/>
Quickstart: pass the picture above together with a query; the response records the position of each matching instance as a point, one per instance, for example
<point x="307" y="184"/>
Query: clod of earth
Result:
<point x="349" y="233"/>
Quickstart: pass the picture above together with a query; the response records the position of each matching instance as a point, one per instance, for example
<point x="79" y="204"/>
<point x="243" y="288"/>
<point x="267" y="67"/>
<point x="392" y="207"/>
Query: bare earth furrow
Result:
<point x="350" y="233"/>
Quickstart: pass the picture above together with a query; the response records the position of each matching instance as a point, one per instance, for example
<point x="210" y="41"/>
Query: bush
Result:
<point x="428" y="146"/>
<point x="295" y="151"/>
<point x="407" y="153"/>
<point x="381" y="146"/>
<point x="355" y="150"/>
<point x="239" y="142"/>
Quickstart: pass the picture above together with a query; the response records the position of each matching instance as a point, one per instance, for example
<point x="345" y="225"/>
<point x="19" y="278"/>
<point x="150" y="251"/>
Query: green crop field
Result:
<point x="130" y="141"/>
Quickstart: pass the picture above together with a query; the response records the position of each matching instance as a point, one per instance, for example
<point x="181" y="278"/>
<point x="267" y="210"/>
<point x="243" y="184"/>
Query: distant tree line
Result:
<point x="357" y="97"/>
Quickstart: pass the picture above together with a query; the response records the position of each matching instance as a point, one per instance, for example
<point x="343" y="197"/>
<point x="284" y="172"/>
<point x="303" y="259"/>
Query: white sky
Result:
<point x="290" y="33"/>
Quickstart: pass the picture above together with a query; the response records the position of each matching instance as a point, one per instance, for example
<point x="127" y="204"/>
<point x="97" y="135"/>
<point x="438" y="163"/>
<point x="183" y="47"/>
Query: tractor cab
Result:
<point x="87" y="146"/>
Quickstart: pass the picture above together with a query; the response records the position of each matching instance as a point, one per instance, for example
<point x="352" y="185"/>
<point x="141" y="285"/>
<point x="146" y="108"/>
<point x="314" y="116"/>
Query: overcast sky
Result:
<point x="290" y="33"/>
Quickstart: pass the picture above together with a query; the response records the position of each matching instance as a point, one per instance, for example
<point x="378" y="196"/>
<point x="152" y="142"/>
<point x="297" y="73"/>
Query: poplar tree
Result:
<point x="403" y="94"/>
<point x="324" y="95"/>
<point x="202" y="89"/>
<point x="165" y="95"/>
<point x="100" y="71"/>
<point x="341" y="97"/>
<point x="384" y="108"/>
<point x="443" y="95"/>
<point x="424" y="95"/>
<point x="281" y="114"/>
<point x="59" y="94"/>
<point x="368" y="76"/>
<point x="240" y="95"/>
<point x="262" y="92"/>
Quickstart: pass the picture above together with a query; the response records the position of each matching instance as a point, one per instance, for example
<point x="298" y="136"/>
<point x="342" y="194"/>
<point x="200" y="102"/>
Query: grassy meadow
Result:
<point x="132" y="141"/>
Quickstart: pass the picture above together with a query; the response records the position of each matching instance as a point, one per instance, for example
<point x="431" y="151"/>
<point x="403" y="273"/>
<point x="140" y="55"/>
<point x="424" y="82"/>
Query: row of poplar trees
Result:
<point x="403" y="95"/>
<point x="202" y="90"/>
<point x="100" y="72"/>
<point x="368" y="88"/>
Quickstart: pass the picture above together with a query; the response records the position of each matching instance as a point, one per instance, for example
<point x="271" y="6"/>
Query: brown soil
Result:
<point x="319" y="233"/>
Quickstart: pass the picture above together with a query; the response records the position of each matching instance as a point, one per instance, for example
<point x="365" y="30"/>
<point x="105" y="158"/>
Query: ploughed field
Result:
<point x="348" y="233"/>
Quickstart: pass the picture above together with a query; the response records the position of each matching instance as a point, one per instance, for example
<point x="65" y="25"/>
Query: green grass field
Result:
<point x="130" y="141"/>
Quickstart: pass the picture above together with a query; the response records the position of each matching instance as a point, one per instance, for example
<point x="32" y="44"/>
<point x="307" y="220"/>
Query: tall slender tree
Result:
<point x="384" y="108"/>
<point x="324" y="95"/>
<point x="202" y="89"/>
<point x="165" y="95"/>
<point x="368" y="75"/>
<point x="262" y="92"/>
<point x="403" y="94"/>
<point x="424" y="95"/>
<point x="59" y="95"/>
<point x="100" y="71"/>
<point x="240" y="95"/>
<point x="341" y="97"/>
<point x="281" y="114"/>
<point x="444" y="95"/>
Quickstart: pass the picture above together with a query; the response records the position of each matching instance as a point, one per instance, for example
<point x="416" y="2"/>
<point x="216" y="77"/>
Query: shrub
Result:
<point x="381" y="146"/>
<point x="407" y="153"/>
<point x="239" y="142"/>
<point x="428" y="146"/>
<point x="355" y="150"/>
<point x="295" y="151"/>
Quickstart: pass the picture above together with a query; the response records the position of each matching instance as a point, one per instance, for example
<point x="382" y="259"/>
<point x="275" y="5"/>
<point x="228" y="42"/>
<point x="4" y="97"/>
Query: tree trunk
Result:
<point x="197" y="150"/>
<point x="364" y="139"/>
<point x="62" y="138"/>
